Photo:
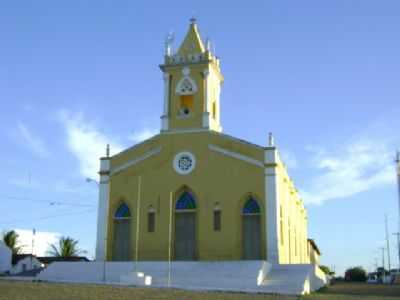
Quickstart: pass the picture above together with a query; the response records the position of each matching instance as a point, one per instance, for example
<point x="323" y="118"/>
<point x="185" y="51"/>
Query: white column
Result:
<point x="206" y="112"/>
<point x="165" y="116"/>
<point x="102" y="214"/>
<point x="272" y="204"/>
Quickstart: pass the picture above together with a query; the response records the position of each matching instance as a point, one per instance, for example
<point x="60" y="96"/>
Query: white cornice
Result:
<point x="236" y="155"/>
<point x="185" y="130"/>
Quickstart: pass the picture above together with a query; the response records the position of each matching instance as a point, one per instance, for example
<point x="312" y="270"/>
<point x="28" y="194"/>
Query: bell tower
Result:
<point x="192" y="85"/>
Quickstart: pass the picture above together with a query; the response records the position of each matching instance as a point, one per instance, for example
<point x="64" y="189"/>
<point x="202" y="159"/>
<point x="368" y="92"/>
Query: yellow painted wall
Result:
<point x="216" y="178"/>
<point x="293" y="244"/>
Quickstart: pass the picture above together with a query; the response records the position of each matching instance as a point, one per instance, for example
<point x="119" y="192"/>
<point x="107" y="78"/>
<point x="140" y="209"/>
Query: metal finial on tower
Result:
<point x="193" y="20"/>
<point x="208" y="44"/>
<point x="271" y="141"/>
<point x="168" y="43"/>
<point x="108" y="150"/>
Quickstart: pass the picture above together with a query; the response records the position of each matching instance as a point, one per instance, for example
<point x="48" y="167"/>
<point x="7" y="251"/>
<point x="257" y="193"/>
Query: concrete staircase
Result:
<point x="294" y="279"/>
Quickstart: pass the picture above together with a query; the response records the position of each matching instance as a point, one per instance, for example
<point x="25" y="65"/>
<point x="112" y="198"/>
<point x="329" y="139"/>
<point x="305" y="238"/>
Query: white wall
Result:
<point x="5" y="258"/>
<point x="29" y="264"/>
<point x="240" y="276"/>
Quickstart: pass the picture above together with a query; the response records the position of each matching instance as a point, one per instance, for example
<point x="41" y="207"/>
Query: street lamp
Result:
<point x="88" y="180"/>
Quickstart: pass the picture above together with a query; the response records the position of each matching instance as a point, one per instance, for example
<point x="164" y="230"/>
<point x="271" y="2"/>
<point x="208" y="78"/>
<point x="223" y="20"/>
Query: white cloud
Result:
<point x="144" y="134"/>
<point x="42" y="241"/>
<point x="35" y="144"/>
<point x="86" y="142"/>
<point x="342" y="172"/>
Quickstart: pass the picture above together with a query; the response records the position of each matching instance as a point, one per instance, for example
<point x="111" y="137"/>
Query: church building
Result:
<point x="192" y="192"/>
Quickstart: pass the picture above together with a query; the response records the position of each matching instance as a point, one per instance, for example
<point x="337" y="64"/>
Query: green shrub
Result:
<point x="356" y="274"/>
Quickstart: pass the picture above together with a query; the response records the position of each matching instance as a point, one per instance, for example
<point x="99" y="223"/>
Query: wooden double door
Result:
<point x="185" y="236"/>
<point x="251" y="237"/>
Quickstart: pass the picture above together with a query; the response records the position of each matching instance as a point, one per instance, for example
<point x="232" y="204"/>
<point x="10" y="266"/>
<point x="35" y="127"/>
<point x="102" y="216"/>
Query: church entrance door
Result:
<point x="185" y="227"/>
<point x="185" y="243"/>
<point x="121" y="240"/>
<point x="121" y="234"/>
<point x="251" y="239"/>
<point x="251" y="216"/>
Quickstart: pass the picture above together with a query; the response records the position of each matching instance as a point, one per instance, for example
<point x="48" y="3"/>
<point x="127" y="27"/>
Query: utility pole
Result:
<point x="398" y="247"/>
<point x="33" y="246"/>
<point x="397" y="161"/>
<point x="383" y="264"/>
<point x="387" y="242"/>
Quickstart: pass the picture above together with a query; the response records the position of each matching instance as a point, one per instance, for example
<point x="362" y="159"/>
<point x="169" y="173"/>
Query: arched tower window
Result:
<point x="186" y="88"/>
<point x="121" y="234"/>
<point x="251" y="221"/>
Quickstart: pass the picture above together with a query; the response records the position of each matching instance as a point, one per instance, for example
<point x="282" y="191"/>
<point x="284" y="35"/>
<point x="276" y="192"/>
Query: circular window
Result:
<point x="184" y="163"/>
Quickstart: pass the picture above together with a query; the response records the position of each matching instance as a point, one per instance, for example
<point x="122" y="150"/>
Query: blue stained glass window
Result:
<point x="185" y="201"/>
<point x="122" y="212"/>
<point x="251" y="207"/>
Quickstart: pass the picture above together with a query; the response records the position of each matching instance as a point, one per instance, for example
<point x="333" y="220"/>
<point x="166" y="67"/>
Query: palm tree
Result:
<point x="10" y="238"/>
<point x="67" y="247"/>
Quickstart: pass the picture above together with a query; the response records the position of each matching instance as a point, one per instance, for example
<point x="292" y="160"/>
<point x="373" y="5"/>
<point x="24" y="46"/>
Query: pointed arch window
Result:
<point x="186" y="202"/>
<point x="217" y="217"/>
<point x="122" y="212"/>
<point x="251" y="207"/>
<point x="151" y="219"/>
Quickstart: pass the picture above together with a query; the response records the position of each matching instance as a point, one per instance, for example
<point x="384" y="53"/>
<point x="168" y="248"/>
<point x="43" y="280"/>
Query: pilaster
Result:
<point x="272" y="204"/>
<point x="165" y="116"/>
<point x="103" y="206"/>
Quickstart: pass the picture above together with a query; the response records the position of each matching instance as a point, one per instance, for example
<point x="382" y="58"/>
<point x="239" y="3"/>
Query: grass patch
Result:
<point x="51" y="291"/>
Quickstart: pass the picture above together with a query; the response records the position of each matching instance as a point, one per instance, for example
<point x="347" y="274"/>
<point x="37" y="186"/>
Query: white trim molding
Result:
<point x="135" y="161"/>
<point x="236" y="155"/>
<point x="272" y="204"/>
<point x="185" y="130"/>
<point x="165" y="116"/>
<point x="206" y="113"/>
<point x="102" y="213"/>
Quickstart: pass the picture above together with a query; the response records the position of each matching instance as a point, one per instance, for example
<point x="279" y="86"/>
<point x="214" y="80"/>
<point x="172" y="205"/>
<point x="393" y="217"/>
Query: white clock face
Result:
<point x="184" y="163"/>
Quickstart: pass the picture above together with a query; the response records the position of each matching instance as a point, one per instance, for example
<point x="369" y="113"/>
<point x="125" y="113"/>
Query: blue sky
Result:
<point x="322" y="75"/>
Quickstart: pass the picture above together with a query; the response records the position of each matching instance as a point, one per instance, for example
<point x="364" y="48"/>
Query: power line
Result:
<point x="49" y="217"/>
<point x="49" y="202"/>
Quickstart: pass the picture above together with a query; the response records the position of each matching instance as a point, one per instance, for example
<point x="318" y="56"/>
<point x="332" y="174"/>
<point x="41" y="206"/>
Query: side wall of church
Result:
<point x="292" y="218"/>
<point x="217" y="180"/>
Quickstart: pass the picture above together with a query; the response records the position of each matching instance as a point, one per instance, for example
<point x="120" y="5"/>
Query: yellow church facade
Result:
<point x="193" y="193"/>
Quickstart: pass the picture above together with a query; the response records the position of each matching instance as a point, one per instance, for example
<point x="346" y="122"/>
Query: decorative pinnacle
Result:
<point x="271" y="141"/>
<point x="108" y="150"/>
<point x="192" y="20"/>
